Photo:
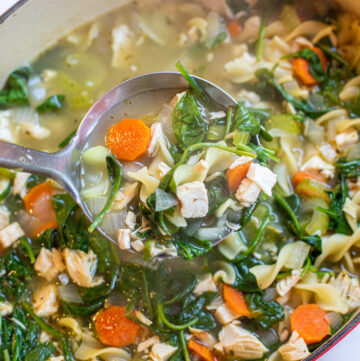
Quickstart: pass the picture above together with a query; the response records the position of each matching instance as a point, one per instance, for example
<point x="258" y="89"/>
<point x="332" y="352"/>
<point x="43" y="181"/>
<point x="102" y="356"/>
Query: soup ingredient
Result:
<point x="53" y="103"/>
<point x="234" y="27"/>
<point x="202" y="351"/>
<point x="294" y="349"/>
<point x="236" y="301"/>
<point x="300" y="176"/>
<point x="194" y="200"/>
<point x="115" y="175"/>
<point x="187" y="121"/>
<point x="114" y="328"/>
<point x="236" y="174"/>
<point x="310" y="322"/>
<point x="9" y="235"/>
<point x="128" y="139"/>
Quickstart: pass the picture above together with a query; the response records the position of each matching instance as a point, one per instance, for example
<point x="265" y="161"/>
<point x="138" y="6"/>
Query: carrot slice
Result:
<point x="234" y="28"/>
<point x="310" y="322"/>
<point x="300" y="176"/>
<point x="202" y="351"/>
<point x="236" y="175"/>
<point x="114" y="328"/>
<point x="128" y="139"/>
<point x="301" y="69"/>
<point x="322" y="57"/>
<point x="38" y="203"/>
<point x="236" y="301"/>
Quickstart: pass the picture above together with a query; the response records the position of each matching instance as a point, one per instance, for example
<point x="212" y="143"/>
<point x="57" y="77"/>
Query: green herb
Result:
<point x="67" y="140"/>
<point x="198" y="89"/>
<point x="316" y="243"/>
<point x="27" y="246"/>
<point x="260" y="43"/>
<point x="217" y="193"/>
<point x="114" y="171"/>
<point x="218" y="39"/>
<point x="265" y="313"/>
<point x="187" y="121"/>
<point x="51" y="104"/>
<point x="189" y="247"/>
<point x="170" y="325"/>
<point x="348" y="168"/>
<point x="34" y="180"/>
<point x="6" y="191"/>
<point x="245" y="281"/>
<point x="244" y="120"/>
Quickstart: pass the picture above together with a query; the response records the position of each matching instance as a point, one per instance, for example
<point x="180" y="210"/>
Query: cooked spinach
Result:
<point x="348" y="168"/>
<point x="316" y="243"/>
<point x="245" y="120"/>
<point x="51" y="104"/>
<point x="266" y="313"/>
<point x="245" y="281"/>
<point x="188" y="123"/>
<point x="115" y="175"/>
<point x="189" y="247"/>
<point x="217" y="193"/>
<point x="34" y="180"/>
<point x="16" y="91"/>
<point x="67" y="140"/>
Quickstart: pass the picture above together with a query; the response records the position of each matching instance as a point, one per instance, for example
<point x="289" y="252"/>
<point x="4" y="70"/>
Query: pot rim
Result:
<point x="327" y="345"/>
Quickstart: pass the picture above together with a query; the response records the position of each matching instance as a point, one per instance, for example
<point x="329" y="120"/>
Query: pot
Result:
<point x="31" y="26"/>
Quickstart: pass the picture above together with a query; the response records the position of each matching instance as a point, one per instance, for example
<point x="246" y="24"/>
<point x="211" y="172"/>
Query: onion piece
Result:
<point x="70" y="293"/>
<point x="112" y="222"/>
<point x="164" y="200"/>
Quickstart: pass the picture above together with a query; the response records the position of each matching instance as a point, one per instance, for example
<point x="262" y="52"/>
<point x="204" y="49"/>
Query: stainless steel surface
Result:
<point x="64" y="166"/>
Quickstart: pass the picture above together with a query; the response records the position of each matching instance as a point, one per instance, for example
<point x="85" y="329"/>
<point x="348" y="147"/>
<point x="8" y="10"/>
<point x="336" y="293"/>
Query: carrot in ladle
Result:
<point x="236" y="175"/>
<point x="202" y="351"/>
<point x="235" y="301"/>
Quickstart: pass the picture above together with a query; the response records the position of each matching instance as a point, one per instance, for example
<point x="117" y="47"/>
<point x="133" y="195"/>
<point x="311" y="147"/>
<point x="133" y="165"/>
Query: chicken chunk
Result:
<point x="6" y="133"/>
<point x="10" y="235"/>
<point x="345" y="139"/>
<point x="125" y="196"/>
<point x="175" y="100"/>
<point x="20" y="181"/>
<point x="4" y="218"/>
<point x="194" y="200"/>
<point x="81" y="267"/>
<point x="130" y="220"/>
<point x="317" y="165"/>
<point x="49" y="264"/>
<point x="204" y="337"/>
<point x="327" y="152"/>
<point x="205" y="284"/>
<point x="35" y="131"/>
<point x="286" y="284"/>
<point x="225" y="315"/>
<point x="122" y="41"/>
<point x="155" y="139"/>
<point x="263" y="177"/>
<point x="295" y="349"/>
<point x="145" y="345"/>
<point x="241" y="160"/>
<point x="161" y="170"/>
<point x="123" y="238"/>
<point x="137" y="245"/>
<point x="238" y="342"/>
<point x="247" y="193"/>
<point x="161" y="352"/>
<point x="6" y="308"/>
<point x="45" y="302"/>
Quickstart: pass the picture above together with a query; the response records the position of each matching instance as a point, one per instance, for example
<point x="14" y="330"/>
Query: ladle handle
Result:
<point x="50" y="165"/>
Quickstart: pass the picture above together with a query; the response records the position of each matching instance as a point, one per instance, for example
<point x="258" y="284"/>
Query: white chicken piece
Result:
<point x="286" y="284"/>
<point x="348" y="288"/>
<point x="241" y="160"/>
<point x="130" y="220"/>
<point x="295" y="349"/>
<point x="264" y="178"/>
<point x="156" y="137"/>
<point x="4" y="218"/>
<point x="204" y="337"/>
<point x="161" y="352"/>
<point x="205" y="284"/>
<point x="123" y="238"/>
<point x="122" y="41"/>
<point x="327" y="152"/>
<point x="35" y="131"/>
<point x="125" y="196"/>
<point x="49" y="264"/>
<point x="10" y="235"/>
<point x="81" y="267"/>
<point x="20" y="183"/>
<point x="317" y="165"/>
<point x="238" y="342"/>
<point x="48" y="75"/>
<point x="137" y="245"/>
<point x="45" y="302"/>
<point x="225" y="315"/>
<point x="345" y="139"/>
<point x="194" y="200"/>
<point x="142" y="318"/>
<point x="145" y="345"/>
<point x="5" y="131"/>
<point x="6" y="308"/>
<point x="247" y="193"/>
<point x="161" y="170"/>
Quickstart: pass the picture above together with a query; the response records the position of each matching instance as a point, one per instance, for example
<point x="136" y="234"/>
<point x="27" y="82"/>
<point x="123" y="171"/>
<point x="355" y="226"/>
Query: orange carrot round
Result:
<point x="301" y="69"/>
<point x="300" y="176"/>
<point x="202" y="351"/>
<point x="114" y="328"/>
<point x="236" y="175"/>
<point x="234" y="27"/>
<point x="128" y="139"/>
<point x="38" y="203"/>
<point x="235" y="301"/>
<point x="310" y="322"/>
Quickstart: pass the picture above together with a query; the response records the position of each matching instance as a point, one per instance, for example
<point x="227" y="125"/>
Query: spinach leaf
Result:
<point x="16" y="91"/>
<point x="189" y="247"/>
<point x="247" y="213"/>
<point x="245" y="281"/>
<point x="314" y="62"/>
<point x="41" y="352"/>
<point x="316" y="243"/>
<point x="115" y="175"/>
<point x="14" y="204"/>
<point x="34" y="180"/>
<point x="244" y="120"/>
<point x="67" y="140"/>
<point x="188" y="123"/>
<point x="86" y="309"/>
<point x="217" y="193"/>
<point x="51" y="104"/>
<point x="270" y="88"/>
<point x="265" y="313"/>
<point x="348" y="168"/>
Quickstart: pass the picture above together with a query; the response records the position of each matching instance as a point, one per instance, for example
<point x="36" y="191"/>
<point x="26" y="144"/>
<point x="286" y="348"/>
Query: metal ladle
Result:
<point x="64" y="165"/>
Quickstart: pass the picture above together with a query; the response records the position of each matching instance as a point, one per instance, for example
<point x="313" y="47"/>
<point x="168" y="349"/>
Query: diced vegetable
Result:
<point x="312" y="188"/>
<point x="310" y="322"/>
<point x="114" y="328"/>
<point x="95" y="156"/>
<point x="236" y="301"/>
<point x="53" y="103"/>
<point x="202" y="351"/>
<point x="236" y="175"/>
<point x="300" y="176"/>
<point x="234" y="27"/>
<point x="128" y="139"/>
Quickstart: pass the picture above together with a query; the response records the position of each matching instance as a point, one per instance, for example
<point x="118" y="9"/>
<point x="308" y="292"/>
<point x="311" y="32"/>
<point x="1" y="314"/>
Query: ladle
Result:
<point x="64" y="165"/>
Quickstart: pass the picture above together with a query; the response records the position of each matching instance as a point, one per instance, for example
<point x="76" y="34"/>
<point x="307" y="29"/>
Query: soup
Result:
<point x="275" y="179"/>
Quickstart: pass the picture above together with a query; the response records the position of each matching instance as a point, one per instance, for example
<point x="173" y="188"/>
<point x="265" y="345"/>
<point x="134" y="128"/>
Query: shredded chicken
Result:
<point x="286" y="284"/>
<point x="295" y="349"/>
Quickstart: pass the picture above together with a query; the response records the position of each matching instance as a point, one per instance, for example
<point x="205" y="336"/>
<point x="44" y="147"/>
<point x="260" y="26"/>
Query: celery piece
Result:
<point x="241" y="137"/>
<point x="312" y="188"/>
<point x="95" y="156"/>
<point x="284" y="122"/>
<point x="216" y="132"/>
